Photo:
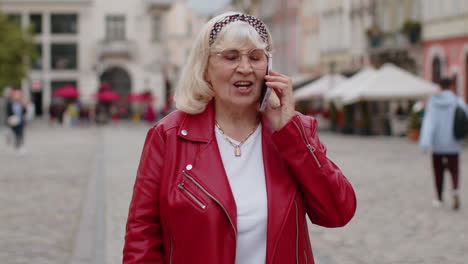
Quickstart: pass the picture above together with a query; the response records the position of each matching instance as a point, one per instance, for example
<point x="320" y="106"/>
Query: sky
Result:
<point x="207" y="8"/>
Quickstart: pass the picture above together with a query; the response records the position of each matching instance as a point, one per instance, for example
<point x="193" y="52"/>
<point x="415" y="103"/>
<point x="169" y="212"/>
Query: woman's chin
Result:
<point x="242" y="102"/>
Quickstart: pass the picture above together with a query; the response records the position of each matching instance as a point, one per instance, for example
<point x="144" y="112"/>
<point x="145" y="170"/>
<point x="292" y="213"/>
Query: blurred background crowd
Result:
<point x="359" y="66"/>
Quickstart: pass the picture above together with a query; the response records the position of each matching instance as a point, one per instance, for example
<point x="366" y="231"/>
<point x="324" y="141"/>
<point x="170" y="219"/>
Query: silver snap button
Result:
<point x="184" y="132"/>
<point x="189" y="167"/>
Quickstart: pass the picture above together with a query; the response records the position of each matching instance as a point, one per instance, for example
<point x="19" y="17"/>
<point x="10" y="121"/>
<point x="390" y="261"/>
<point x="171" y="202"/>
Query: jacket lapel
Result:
<point x="207" y="167"/>
<point x="281" y="188"/>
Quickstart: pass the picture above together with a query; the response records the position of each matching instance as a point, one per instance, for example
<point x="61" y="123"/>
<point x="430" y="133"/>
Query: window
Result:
<point x="115" y="27"/>
<point x="64" y="56"/>
<point x="37" y="63"/>
<point x="64" y="23"/>
<point x="14" y="18"/>
<point x="156" y="28"/>
<point x="36" y="22"/>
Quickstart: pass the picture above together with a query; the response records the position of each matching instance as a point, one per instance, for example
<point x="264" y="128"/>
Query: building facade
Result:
<point x="395" y="34"/>
<point x="283" y="20"/>
<point x="129" y="44"/>
<point x="445" y="40"/>
<point x="335" y="35"/>
<point x="362" y="17"/>
<point x="309" y="38"/>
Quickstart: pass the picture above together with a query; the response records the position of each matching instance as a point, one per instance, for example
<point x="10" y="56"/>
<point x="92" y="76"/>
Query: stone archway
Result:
<point x="436" y="70"/>
<point x="120" y="82"/>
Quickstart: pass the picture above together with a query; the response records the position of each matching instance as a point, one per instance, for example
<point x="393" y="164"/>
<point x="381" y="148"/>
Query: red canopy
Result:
<point x="141" y="97"/>
<point x="67" y="91"/>
<point x="135" y="97"/>
<point x="107" y="96"/>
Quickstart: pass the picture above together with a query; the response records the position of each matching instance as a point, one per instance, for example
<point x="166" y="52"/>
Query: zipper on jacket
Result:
<point x="189" y="194"/>
<point x="308" y="145"/>
<point x="297" y="232"/>
<point x="306" y="231"/>
<point x="170" y="241"/>
<point x="212" y="197"/>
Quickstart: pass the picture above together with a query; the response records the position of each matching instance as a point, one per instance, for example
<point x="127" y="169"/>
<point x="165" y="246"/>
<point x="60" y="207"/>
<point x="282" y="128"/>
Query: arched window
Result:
<point x="436" y="70"/>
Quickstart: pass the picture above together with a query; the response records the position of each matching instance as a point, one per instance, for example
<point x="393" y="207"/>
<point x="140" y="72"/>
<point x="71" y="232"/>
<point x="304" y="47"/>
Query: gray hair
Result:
<point x="193" y="92"/>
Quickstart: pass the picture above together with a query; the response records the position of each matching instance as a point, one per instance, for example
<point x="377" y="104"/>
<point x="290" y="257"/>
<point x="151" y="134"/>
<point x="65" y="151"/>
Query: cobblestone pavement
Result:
<point x="394" y="222"/>
<point x="66" y="201"/>
<point x="41" y="193"/>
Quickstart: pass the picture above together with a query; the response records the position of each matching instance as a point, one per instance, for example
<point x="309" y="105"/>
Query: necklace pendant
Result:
<point x="237" y="151"/>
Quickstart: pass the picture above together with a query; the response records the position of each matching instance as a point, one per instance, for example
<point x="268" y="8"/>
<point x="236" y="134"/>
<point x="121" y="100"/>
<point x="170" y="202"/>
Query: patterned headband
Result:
<point x="257" y="24"/>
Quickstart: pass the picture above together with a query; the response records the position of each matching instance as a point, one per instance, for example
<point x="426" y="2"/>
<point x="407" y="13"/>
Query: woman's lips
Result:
<point x="243" y="86"/>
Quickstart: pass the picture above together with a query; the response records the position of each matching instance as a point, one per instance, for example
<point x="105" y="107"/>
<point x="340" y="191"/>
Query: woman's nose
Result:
<point x="244" y="65"/>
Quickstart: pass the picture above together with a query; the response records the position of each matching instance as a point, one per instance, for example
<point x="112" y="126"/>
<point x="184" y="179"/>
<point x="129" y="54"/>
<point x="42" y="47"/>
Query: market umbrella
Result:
<point x="135" y="97"/>
<point x="66" y="91"/>
<point x="390" y="83"/>
<point x="319" y="87"/>
<point x="352" y="83"/>
<point x="107" y="96"/>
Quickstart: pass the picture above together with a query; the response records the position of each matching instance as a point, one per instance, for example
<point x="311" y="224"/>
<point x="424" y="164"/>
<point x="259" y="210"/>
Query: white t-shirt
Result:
<point x="247" y="179"/>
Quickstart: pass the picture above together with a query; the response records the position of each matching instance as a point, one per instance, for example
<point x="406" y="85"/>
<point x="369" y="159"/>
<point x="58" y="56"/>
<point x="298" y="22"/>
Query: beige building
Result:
<point x="283" y="20"/>
<point x="362" y="17"/>
<point x="309" y="40"/>
<point x="134" y="45"/>
<point x="387" y="41"/>
<point x="335" y="35"/>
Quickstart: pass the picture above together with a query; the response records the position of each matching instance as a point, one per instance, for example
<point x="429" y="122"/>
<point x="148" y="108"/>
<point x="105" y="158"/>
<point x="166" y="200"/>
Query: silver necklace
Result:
<point x="237" y="147"/>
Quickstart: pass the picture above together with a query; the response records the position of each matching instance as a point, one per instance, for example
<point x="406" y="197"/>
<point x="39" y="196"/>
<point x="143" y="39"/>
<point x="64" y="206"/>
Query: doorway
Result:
<point x="120" y="82"/>
<point x="436" y="70"/>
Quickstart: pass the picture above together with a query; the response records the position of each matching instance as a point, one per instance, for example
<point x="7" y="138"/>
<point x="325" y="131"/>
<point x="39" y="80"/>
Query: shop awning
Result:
<point x="389" y="83"/>
<point x="318" y="88"/>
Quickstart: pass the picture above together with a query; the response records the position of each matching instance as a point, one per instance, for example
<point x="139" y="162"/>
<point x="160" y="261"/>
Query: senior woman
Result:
<point x="220" y="182"/>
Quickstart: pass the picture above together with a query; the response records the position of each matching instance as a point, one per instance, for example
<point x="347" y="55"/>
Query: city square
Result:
<point x="66" y="200"/>
<point x="82" y="82"/>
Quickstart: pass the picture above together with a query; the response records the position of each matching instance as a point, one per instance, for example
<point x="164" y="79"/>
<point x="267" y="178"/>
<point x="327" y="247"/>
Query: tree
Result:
<point x="16" y="52"/>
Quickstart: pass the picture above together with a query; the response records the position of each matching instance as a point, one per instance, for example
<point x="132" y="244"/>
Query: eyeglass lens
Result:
<point x="232" y="57"/>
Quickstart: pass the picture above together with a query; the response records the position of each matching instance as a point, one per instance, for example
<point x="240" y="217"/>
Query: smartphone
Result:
<point x="266" y="91"/>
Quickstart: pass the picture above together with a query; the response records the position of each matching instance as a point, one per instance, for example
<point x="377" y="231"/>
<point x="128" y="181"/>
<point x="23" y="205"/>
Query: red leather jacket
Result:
<point x="183" y="211"/>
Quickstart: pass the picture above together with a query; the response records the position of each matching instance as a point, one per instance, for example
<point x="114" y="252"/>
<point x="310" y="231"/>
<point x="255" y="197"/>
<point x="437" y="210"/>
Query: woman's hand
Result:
<point x="279" y="112"/>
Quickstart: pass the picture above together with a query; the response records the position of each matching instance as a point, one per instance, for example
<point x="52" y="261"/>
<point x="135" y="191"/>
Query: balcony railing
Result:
<point x="158" y="4"/>
<point x="116" y="48"/>
<point x="391" y="40"/>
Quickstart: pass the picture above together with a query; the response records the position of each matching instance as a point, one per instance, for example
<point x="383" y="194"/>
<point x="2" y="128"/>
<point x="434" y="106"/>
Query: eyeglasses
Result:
<point x="231" y="58"/>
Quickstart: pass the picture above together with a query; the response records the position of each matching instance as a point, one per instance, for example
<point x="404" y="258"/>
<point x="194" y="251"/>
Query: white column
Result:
<point x="46" y="56"/>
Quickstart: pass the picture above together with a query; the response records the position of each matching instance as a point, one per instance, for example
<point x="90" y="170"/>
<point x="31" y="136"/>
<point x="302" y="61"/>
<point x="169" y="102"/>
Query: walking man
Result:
<point x="16" y="119"/>
<point x="437" y="136"/>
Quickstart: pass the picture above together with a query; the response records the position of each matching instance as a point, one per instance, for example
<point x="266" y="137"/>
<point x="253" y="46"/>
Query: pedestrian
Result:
<point x="16" y="112"/>
<point x="9" y="135"/>
<point x="221" y="182"/>
<point x="437" y="136"/>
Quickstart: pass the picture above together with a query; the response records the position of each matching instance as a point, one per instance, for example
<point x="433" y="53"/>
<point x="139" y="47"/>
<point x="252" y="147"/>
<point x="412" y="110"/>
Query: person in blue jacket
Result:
<point x="437" y="136"/>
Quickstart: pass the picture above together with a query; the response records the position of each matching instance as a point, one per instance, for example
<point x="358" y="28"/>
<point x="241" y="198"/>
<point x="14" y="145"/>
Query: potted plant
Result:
<point x="374" y="35"/>
<point x="412" y="30"/>
<point x="414" y="125"/>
